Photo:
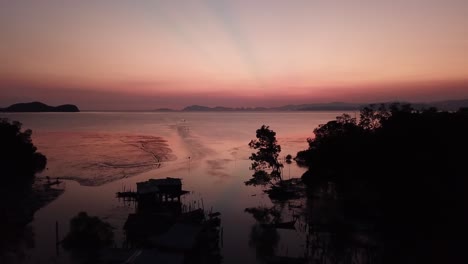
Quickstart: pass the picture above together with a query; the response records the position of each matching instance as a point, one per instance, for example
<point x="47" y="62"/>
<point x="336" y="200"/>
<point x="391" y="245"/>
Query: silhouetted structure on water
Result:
<point x="164" y="225"/>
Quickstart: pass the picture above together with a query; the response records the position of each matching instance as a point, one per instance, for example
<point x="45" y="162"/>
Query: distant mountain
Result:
<point x="165" y="110"/>
<point x="302" y="107"/>
<point x="451" y="105"/>
<point x="322" y="107"/>
<point x="201" y="108"/>
<point x="340" y="106"/>
<point x="197" y="108"/>
<point x="39" y="107"/>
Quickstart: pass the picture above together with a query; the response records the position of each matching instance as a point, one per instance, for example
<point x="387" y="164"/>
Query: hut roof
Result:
<point x="154" y="185"/>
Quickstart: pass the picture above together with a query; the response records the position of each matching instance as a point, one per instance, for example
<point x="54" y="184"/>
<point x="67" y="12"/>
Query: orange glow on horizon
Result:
<point x="294" y="50"/>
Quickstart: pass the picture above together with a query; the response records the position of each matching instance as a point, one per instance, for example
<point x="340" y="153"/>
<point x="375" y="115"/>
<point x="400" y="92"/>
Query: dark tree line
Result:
<point x="19" y="159"/>
<point x="403" y="169"/>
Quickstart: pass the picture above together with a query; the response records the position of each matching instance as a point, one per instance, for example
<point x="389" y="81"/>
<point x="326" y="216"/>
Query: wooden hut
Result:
<point x="162" y="190"/>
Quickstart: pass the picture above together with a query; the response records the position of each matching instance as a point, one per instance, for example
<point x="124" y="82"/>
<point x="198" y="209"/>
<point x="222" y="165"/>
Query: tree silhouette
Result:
<point x="265" y="164"/>
<point x="88" y="232"/>
<point x="19" y="159"/>
<point x="403" y="170"/>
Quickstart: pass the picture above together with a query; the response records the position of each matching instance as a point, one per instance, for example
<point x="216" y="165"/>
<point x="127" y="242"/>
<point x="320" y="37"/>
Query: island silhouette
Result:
<point x="39" y="107"/>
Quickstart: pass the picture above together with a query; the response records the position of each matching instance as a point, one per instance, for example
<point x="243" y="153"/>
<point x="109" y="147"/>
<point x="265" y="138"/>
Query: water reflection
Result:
<point x="15" y="243"/>
<point x="17" y="209"/>
<point x="328" y="235"/>
<point x="216" y="171"/>
<point x="264" y="241"/>
<point x="332" y="237"/>
<point x="272" y="234"/>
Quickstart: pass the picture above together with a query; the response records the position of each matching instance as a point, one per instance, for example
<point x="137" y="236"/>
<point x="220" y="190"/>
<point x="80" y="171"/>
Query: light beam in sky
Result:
<point x="238" y="53"/>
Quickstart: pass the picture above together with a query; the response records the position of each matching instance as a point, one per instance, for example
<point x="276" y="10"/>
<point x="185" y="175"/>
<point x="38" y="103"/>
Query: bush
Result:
<point x="87" y="232"/>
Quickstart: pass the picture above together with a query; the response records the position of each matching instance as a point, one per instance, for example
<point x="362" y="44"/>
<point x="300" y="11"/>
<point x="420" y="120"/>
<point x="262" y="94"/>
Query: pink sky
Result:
<point x="153" y="54"/>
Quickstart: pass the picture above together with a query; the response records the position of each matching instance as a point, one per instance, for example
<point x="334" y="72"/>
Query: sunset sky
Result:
<point x="174" y="53"/>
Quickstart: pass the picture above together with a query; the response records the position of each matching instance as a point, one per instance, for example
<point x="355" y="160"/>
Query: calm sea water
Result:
<point x="207" y="150"/>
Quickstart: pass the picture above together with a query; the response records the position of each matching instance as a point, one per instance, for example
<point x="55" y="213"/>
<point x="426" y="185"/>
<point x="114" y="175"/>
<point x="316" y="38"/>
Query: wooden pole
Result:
<point x="57" y="238"/>
<point x="222" y="237"/>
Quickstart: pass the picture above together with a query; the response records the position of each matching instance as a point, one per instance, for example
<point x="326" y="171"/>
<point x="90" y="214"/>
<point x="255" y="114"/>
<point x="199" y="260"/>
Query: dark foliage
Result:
<point x="19" y="159"/>
<point x="87" y="232"/>
<point x="265" y="164"/>
<point x="403" y="169"/>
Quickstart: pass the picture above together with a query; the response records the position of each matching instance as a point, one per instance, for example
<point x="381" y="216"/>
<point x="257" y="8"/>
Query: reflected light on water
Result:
<point x="102" y="153"/>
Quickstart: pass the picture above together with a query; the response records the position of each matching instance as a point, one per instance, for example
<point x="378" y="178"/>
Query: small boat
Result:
<point x="49" y="184"/>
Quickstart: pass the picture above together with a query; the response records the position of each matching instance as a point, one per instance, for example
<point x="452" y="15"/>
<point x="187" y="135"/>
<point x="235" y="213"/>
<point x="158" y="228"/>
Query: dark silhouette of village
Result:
<point x="166" y="229"/>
